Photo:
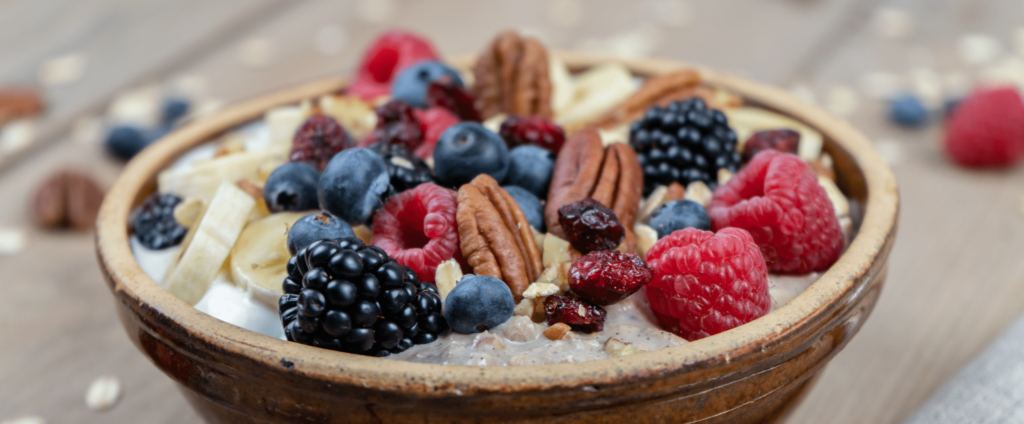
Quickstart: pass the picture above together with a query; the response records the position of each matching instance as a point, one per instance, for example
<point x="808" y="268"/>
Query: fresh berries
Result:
<point x="478" y="303"/>
<point x="579" y="314"/>
<point x="354" y="185"/>
<point x="679" y="214"/>
<point x="530" y="204"/>
<point x="318" y="140"/>
<point x="418" y="229"/>
<point x="985" y="129"/>
<point x="396" y="124"/>
<point x="174" y="109"/>
<point x="530" y="167"/>
<point x="154" y="223"/>
<point x="786" y="141"/>
<point x="124" y="142"/>
<point x="410" y="86"/>
<point x="590" y="226"/>
<point x="433" y="122"/>
<point x="535" y="130"/>
<point x="316" y="227"/>
<point x="908" y="111"/>
<point x="466" y="150"/>
<point x="292" y="188"/>
<point x="776" y="197"/>
<point x="685" y="142"/>
<point x="406" y="170"/>
<point x="390" y="54"/>
<point x="453" y="97"/>
<point x="343" y="295"/>
<point x="706" y="283"/>
<point x="604" y="277"/>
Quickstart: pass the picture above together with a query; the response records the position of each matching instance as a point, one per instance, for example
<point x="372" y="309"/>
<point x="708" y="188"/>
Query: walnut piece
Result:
<point x="512" y="77"/>
<point x="557" y="331"/>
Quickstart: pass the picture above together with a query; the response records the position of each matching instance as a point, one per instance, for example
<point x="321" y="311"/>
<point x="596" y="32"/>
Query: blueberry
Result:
<point x="316" y="226"/>
<point x="291" y="188"/>
<point x="908" y="111"/>
<point x="354" y="185"/>
<point x="677" y="215"/>
<point x="174" y="109"/>
<point x="466" y="150"/>
<point x="410" y="86"/>
<point x="530" y="167"/>
<point x="530" y="205"/>
<point x="478" y="303"/>
<point x="124" y="142"/>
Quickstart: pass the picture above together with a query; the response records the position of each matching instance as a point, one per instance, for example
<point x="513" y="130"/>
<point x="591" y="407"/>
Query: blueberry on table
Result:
<point x="411" y="84"/>
<point x="354" y="185"/>
<point x="908" y="111"/>
<point x="466" y="150"/>
<point x="124" y="142"/>
<point x="530" y="205"/>
<point x="530" y="167"/>
<point x="314" y="227"/>
<point x="674" y="216"/>
<point x="174" y="109"/>
<point x="292" y="188"/>
<point x="478" y="303"/>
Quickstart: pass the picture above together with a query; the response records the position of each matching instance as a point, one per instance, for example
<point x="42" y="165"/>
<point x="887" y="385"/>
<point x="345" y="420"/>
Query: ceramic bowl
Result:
<point x="754" y="373"/>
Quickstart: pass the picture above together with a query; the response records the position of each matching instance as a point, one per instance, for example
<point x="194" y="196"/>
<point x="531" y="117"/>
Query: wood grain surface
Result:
<point x="955" y="277"/>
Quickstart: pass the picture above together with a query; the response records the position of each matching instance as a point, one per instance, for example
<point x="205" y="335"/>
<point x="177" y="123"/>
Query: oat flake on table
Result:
<point x="103" y="393"/>
<point x="256" y="52"/>
<point x="62" y="70"/>
<point x="25" y="420"/>
<point x="375" y="11"/>
<point x="12" y="241"/>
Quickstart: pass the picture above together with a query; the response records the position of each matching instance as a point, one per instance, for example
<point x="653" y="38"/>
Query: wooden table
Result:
<point x="955" y="277"/>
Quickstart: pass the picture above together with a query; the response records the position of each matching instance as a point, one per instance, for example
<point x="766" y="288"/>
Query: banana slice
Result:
<point x="597" y="91"/>
<point x="748" y="120"/>
<point x="259" y="257"/>
<point x="202" y="179"/>
<point x="562" y="89"/>
<point x="208" y="244"/>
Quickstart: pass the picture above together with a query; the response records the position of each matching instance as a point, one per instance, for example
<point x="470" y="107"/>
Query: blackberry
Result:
<point x="685" y="141"/>
<point x="405" y="169"/>
<point x="343" y="295"/>
<point x="154" y="223"/>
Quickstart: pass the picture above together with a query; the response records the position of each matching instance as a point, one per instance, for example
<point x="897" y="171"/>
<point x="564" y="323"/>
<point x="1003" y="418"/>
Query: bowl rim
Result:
<point x="131" y="285"/>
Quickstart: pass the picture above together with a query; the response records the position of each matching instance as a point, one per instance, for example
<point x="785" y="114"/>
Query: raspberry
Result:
<point x="434" y="122"/>
<point x="417" y="227"/>
<point x="705" y="283"/>
<point x="385" y="59"/>
<point x="785" y="141"/>
<point x="318" y="140"/>
<point x="985" y="129"/>
<point x="534" y="130"/>
<point x="396" y="124"/>
<point x="604" y="278"/>
<point x="446" y="94"/>
<point x="776" y="197"/>
<point x="590" y="226"/>
<point x="579" y="314"/>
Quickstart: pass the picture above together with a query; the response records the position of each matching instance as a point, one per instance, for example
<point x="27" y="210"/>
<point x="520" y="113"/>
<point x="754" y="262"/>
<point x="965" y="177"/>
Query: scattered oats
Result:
<point x="557" y="331"/>
<point x="891" y="151"/>
<point x="893" y="23"/>
<point x="535" y="290"/>
<point x="597" y="91"/>
<point x="562" y="89"/>
<point x="956" y="84"/>
<point x="62" y="70"/>
<point x="673" y="13"/>
<point x="1009" y="70"/>
<point x="375" y="11"/>
<point x="205" y="107"/>
<point x="841" y="101"/>
<point x="617" y="348"/>
<point x="256" y="52"/>
<point x="803" y="92"/>
<point x="554" y="275"/>
<point x="446" y="276"/>
<point x="12" y="241"/>
<point x="87" y="130"/>
<point x="927" y="84"/>
<point x="724" y="175"/>
<point x="978" y="49"/>
<point x="403" y="162"/>
<point x="103" y="393"/>
<point x="556" y="250"/>
<point x="564" y="13"/>
<point x="16" y="135"/>
<point x="619" y="134"/>
<point x="538" y="239"/>
<point x="330" y="39"/>
<point x="140" y="106"/>
<point x="651" y="203"/>
<point x="524" y="308"/>
<point x="494" y="123"/>
<point x="699" y="192"/>
<point x="881" y="85"/>
<point x="839" y="202"/>
<point x="645" y="238"/>
<point x="25" y="420"/>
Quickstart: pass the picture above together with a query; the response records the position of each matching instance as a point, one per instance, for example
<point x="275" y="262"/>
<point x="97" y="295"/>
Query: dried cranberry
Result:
<point x="786" y="141"/>
<point x="590" y="226"/>
<point x="444" y="93"/>
<point x="608" y="277"/>
<point x="534" y="130"/>
<point x="579" y="314"/>
<point x="318" y="140"/>
<point x="396" y="124"/>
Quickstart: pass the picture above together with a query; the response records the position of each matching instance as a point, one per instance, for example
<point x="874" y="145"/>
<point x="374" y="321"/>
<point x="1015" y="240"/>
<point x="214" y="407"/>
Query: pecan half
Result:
<point x="662" y="90"/>
<point x="609" y="175"/>
<point x="17" y="102"/>
<point x="495" y="237"/>
<point x="512" y="77"/>
<point x="67" y="199"/>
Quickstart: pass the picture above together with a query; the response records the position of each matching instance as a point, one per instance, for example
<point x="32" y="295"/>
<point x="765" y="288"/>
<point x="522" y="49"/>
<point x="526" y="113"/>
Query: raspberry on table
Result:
<point x="318" y="140"/>
<point x="535" y="130"/>
<point x="396" y="124"/>
<point x="985" y="129"/>
<point x="590" y="226"/>
<point x="786" y="141"/>
<point x="154" y="223"/>
<point x="706" y="283"/>
<point x="445" y="93"/>
<point x="776" y="197"/>
<point x="606" y="277"/>
<point x="579" y="314"/>
<point x="417" y="228"/>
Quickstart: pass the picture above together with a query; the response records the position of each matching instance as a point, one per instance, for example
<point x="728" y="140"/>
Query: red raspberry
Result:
<point x="417" y="228"/>
<point x="396" y="124"/>
<point x="318" y="140"/>
<point x="986" y="129"/>
<point x="705" y="283"/>
<point x="590" y="226"/>
<point x="776" y="197"/>
<point x="579" y="314"/>
<point x="445" y="94"/>
<point x="534" y="130"/>
<point x="434" y="122"/>
<point x="786" y="141"/>
<point x="604" y="278"/>
<point x="386" y="58"/>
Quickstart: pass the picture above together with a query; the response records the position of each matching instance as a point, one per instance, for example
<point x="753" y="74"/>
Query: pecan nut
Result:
<point x="16" y="102"/>
<point x="495" y="237"/>
<point x="662" y="90"/>
<point x="67" y="199"/>
<point x="512" y="77"/>
<point x="611" y="175"/>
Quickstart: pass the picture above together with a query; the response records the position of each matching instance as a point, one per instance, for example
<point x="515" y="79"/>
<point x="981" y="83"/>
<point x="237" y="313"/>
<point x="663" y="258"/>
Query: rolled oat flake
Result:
<point x="103" y="393"/>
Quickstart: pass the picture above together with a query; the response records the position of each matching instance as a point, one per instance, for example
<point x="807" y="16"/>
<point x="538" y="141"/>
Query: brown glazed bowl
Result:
<point x="755" y="373"/>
